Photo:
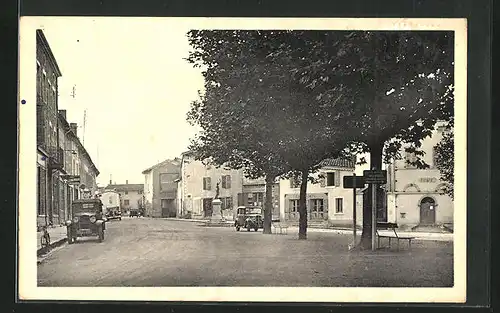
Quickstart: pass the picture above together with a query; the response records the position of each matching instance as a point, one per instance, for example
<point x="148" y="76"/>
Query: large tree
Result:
<point x="250" y="112"/>
<point x="326" y="88"/>
<point x="395" y="86"/>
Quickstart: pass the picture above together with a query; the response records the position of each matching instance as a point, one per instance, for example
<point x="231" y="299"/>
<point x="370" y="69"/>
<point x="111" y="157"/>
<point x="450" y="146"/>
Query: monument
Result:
<point x="216" y="207"/>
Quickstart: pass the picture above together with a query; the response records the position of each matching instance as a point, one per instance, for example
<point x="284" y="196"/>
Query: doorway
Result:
<point x="168" y="208"/>
<point x="427" y="211"/>
<point x="207" y="207"/>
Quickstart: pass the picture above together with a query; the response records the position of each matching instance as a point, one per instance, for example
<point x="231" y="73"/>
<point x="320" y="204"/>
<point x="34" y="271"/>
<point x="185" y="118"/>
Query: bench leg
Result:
<point x="378" y="242"/>
<point x="409" y="243"/>
<point x="398" y="244"/>
<point x="390" y="242"/>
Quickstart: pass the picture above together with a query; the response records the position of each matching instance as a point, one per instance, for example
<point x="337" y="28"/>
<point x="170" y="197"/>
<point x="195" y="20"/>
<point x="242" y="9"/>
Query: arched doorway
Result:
<point x="427" y="211"/>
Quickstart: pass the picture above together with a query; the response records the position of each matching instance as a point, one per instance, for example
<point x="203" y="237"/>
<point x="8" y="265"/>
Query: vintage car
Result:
<point x="111" y="205"/>
<point x="86" y="220"/>
<point x="249" y="217"/>
<point x="136" y="212"/>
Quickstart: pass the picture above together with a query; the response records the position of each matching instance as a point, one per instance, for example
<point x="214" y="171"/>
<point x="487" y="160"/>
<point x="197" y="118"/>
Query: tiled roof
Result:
<point x="339" y="162"/>
<point x="175" y="161"/>
<point x="126" y="187"/>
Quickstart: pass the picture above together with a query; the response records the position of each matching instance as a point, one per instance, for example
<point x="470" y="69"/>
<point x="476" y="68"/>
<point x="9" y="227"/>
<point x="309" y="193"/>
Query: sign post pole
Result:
<point x="374" y="178"/>
<point x="354" y="210"/>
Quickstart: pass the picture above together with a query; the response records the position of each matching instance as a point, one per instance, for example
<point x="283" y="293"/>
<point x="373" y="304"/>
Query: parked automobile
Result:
<point x="112" y="206"/>
<point x="87" y="220"/>
<point x="136" y="212"/>
<point x="249" y="217"/>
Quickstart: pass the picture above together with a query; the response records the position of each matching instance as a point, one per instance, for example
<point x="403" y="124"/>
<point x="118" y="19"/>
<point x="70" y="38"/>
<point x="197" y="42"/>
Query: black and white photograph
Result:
<point x="247" y="159"/>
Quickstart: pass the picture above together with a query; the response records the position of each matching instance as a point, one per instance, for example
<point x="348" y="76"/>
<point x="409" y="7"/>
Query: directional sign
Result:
<point x="349" y="182"/>
<point x="375" y="177"/>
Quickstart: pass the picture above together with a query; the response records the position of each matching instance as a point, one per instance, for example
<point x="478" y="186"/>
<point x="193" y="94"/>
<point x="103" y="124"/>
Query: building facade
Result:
<point x="326" y="200"/>
<point x="199" y="184"/>
<point x="415" y="197"/>
<point x="50" y="159"/>
<point x="254" y="193"/>
<point x="160" y="189"/>
<point x="131" y="195"/>
<point x="62" y="161"/>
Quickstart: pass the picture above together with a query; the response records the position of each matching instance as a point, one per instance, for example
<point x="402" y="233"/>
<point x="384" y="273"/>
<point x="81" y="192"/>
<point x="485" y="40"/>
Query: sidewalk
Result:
<point x="343" y="231"/>
<point x="57" y="236"/>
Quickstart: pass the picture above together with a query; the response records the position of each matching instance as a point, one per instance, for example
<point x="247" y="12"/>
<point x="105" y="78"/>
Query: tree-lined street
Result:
<point x="160" y="252"/>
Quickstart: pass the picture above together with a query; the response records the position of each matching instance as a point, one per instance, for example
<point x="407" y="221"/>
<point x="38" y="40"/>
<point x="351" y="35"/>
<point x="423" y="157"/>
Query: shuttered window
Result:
<point x="207" y="183"/>
<point x="226" y="181"/>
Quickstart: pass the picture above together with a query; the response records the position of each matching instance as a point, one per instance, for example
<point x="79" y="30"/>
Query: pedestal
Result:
<point x="216" y="211"/>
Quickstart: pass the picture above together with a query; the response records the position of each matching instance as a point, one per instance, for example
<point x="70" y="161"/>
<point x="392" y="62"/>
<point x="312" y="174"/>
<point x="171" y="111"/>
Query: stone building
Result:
<point x="160" y="188"/>
<point x="50" y="159"/>
<point x="199" y="184"/>
<point x="415" y="197"/>
<point x="131" y="195"/>
<point x="327" y="201"/>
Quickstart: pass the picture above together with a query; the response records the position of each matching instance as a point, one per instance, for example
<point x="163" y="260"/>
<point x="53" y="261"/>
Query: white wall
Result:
<point x="332" y="193"/>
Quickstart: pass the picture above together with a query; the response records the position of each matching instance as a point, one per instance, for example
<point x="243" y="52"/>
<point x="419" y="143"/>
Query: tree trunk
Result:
<point x="268" y="205"/>
<point x="375" y="164"/>
<point x="302" y="206"/>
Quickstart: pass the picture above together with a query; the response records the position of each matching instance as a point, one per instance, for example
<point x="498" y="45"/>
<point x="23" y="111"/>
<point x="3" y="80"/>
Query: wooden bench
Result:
<point x="281" y="227"/>
<point x="391" y="226"/>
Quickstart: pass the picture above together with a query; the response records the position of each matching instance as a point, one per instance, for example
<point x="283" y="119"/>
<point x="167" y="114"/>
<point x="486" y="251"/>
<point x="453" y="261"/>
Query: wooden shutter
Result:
<point x="337" y="178"/>
<point x="228" y="181"/>
<point x="241" y="200"/>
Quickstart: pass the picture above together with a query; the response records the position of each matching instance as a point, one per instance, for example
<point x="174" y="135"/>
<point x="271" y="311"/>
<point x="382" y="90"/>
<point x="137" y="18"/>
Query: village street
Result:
<point x="160" y="252"/>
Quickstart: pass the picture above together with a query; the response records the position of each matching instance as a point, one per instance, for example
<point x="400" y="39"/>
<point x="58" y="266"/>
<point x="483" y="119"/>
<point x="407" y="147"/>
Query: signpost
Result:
<point x="374" y="177"/>
<point x="354" y="182"/>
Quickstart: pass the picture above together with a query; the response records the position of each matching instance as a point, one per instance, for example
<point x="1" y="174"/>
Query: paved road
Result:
<point x="157" y="252"/>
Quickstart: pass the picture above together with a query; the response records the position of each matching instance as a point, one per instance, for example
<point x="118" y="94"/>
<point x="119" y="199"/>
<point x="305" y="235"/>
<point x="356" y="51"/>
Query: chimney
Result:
<point x="126" y="182"/>
<point x="74" y="127"/>
<point x="63" y="113"/>
<point x="110" y="182"/>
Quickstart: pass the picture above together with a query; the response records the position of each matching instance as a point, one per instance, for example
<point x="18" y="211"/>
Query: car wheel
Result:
<point x="256" y="229"/>
<point x="237" y="228"/>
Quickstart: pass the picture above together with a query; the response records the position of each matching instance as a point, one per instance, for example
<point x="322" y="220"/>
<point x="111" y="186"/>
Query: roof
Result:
<point x="149" y="169"/>
<point x="339" y="162"/>
<point x="46" y="45"/>
<point x="126" y="187"/>
<point x="68" y="130"/>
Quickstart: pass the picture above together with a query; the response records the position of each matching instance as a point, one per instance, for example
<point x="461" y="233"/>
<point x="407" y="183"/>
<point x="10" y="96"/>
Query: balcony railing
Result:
<point x="56" y="159"/>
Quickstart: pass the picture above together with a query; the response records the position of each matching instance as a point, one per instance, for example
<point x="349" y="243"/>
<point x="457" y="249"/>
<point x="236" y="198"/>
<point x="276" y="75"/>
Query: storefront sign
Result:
<point x="428" y="179"/>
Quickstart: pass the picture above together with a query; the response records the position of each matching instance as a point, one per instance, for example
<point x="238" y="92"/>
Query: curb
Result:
<point x="55" y="244"/>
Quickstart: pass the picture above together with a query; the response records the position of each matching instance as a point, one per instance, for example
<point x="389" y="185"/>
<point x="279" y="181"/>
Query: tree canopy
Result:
<point x="298" y="97"/>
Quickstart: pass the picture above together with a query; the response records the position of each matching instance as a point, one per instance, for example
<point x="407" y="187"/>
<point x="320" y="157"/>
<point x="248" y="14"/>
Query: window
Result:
<point x="126" y="202"/>
<point x="339" y="205"/>
<point x="317" y="205"/>
<point x="294" y="205"/>
<point x="126" y="192"/>
<point x="207" y="183"/>
<point x="110" y="200"/>
<point x="333" y="179"/>
<point x="167" y="181"/>
<point x="227" y="203"/>
<point x="226" y="181"/>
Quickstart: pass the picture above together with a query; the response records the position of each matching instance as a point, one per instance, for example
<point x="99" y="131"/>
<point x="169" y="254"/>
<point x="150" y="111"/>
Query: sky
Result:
<point x="130" y="78"/>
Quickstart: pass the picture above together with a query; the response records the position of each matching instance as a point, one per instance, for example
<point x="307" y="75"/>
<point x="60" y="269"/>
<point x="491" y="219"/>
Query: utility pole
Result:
<point x="84" y="123"/>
